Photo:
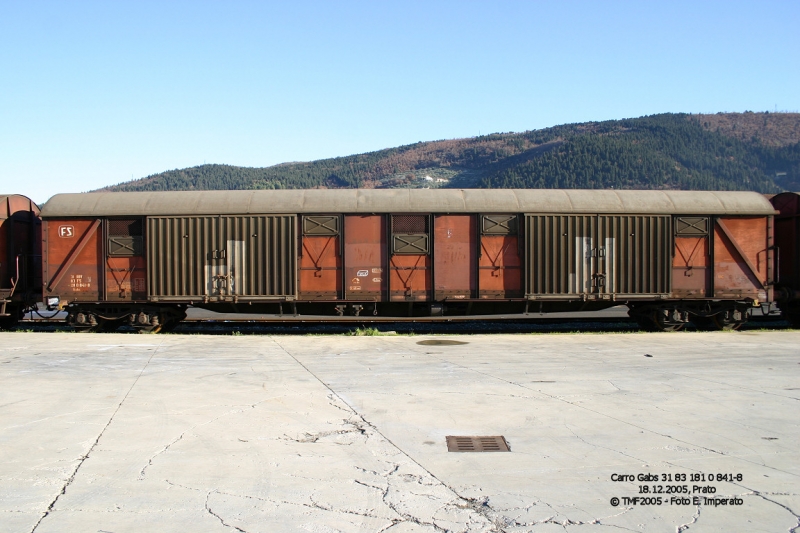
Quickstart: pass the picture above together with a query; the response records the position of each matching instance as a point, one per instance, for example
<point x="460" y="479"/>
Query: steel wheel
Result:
<point x="723" y="322"/>
<point x="664" y="324"/>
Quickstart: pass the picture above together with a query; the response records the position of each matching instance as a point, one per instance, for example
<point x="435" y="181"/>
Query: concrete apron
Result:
<point x="118" y="433"/>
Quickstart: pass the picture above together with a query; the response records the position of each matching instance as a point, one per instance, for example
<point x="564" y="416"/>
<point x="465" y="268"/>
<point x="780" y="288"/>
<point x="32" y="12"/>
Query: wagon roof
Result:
<point x="787" y="203"/>
<point x="407" y="201"/>
<point x="11" y="203"/>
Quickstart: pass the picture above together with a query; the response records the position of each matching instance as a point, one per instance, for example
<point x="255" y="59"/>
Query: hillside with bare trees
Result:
<point x="724" y="151"/>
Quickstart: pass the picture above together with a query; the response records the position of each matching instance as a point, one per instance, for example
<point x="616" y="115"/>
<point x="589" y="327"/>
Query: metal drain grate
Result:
<point x="477" y="444"/>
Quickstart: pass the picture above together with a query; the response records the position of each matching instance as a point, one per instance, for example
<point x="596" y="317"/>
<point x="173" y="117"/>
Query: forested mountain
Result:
<point x="726" y="151"/>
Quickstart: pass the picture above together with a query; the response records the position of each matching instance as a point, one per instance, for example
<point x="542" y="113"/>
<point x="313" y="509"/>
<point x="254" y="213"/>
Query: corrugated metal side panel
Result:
<point x="637" y="254"/>
<point x="195" y="257"/>
<point x="282" y="254"/>
<point x="558" y="254"/>
<point x="177" y="252"/>
<point x="585" y="254"/>
<point x="261" y="256"/>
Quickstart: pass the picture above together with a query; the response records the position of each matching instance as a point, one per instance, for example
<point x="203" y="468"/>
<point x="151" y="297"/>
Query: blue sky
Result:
<point x="96" y="93"/>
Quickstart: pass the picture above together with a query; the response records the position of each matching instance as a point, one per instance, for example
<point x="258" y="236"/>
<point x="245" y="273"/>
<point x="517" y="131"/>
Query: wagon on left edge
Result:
<point x="20" y="257"/>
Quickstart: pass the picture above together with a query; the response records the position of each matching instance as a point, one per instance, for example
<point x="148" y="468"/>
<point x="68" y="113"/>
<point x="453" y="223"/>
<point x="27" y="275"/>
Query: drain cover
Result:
<point x="440" y="342"/>
<point x="477" y="444"/>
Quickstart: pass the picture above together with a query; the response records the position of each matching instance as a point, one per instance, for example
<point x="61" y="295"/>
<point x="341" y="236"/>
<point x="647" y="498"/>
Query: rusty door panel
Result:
<point x="500" y="267"/>
<point x="73" y="264"/>
<point x="126" y="278"/>
<point x="410" y="278"/>
<point x="691" y="268"/>
<point x="320" y="268"/>
<point x="454" y="256"/>
<point x="125" y="266"/>
<point x="742" y="258"/>
<point x="365" y="257"/>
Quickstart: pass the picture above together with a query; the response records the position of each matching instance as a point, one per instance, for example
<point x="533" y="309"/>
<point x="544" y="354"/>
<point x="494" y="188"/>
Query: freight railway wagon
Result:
<point x="787" y="262"/>
<point x="671" y="256"/>
<point x="20" y="257"/>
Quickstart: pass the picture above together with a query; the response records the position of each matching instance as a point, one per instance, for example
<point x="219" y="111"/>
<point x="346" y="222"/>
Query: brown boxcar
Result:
<point x="20" y="257"/>
<point x="787" y="263"/>
<point x="671" y="256"/>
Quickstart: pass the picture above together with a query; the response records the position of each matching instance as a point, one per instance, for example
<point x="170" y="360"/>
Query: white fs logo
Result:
<point x="66" y="231"/>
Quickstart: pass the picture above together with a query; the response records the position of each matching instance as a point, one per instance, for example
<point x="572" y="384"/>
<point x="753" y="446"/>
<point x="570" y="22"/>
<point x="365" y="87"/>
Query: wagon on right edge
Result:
<point x="787" y="248"/>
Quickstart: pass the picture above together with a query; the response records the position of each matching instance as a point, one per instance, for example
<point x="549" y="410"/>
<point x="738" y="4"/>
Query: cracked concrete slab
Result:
<point x="121" y="433"/>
